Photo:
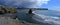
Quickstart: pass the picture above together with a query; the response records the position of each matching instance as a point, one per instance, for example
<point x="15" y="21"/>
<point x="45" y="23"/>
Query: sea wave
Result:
<point x="46" y="19"/>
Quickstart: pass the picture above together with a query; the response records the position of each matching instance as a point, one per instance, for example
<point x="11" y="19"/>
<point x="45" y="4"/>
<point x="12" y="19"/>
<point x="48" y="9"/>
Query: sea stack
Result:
<point x="30" y="11"/>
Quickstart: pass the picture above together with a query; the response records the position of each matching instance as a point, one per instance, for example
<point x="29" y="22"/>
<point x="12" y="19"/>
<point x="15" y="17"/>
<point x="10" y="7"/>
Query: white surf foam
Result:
<point x="47" y="19"/>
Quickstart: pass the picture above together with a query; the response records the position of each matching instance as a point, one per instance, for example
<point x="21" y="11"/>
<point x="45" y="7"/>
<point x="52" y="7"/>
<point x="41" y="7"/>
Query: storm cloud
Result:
<point x="23" y="3"/>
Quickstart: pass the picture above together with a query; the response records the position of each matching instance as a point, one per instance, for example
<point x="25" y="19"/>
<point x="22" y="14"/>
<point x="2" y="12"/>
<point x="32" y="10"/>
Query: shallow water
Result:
<point x="48" y="16"/>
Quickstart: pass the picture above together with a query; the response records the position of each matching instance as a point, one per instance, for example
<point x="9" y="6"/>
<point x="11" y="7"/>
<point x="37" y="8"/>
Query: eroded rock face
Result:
<point x="5" y="9"/>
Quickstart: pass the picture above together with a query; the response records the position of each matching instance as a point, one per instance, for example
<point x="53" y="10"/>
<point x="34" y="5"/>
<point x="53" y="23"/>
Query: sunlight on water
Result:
<point x="47" y="19"/>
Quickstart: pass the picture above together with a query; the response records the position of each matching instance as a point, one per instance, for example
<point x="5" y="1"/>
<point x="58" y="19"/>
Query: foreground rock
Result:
<point x="9" y="21"/>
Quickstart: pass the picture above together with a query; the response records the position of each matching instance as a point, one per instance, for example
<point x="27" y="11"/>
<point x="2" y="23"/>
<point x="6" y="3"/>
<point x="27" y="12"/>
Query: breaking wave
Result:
<point x="47" y="19"/>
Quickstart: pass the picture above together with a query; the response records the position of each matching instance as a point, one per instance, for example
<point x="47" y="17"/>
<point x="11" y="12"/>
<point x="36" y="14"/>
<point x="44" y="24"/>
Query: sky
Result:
<point x="53" y="5"/>
<point x="50" y="4"/>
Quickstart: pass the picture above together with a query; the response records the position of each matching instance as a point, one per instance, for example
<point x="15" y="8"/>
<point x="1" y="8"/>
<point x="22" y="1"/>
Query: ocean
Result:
<point x="44" y="17"/>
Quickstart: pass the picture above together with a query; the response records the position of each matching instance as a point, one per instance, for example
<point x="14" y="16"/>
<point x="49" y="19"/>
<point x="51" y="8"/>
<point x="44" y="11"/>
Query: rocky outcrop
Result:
<point x="8" y="9"/>
<point x="30" y="11"/>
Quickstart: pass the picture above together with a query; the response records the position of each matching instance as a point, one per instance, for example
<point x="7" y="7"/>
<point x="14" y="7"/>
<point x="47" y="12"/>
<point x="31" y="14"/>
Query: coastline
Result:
<point x="8" y="21"/>
<point x="10" y="15"/>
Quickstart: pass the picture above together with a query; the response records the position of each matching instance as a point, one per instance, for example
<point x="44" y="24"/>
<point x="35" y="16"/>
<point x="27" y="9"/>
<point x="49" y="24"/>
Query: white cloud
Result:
<point x="25" y="3"/>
